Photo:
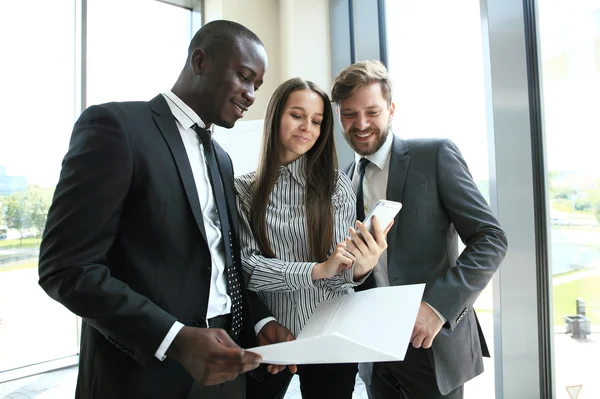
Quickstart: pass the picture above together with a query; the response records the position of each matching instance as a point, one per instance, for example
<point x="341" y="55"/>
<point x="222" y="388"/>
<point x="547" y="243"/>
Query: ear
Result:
<point x="392" y="110"/>
<point x="198" y="61"/>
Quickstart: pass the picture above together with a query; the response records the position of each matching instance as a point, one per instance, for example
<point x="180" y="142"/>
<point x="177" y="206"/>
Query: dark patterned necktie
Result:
<point x="360" y="204"/>
<point x="233" y="277"/>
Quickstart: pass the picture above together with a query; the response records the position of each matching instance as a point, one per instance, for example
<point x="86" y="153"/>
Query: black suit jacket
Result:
<point x="441" y="204"/>
<point x="125" y="248"/>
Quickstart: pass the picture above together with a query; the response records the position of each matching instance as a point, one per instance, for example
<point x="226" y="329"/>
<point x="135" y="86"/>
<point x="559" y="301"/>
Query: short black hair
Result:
<point x="217" y="36"/>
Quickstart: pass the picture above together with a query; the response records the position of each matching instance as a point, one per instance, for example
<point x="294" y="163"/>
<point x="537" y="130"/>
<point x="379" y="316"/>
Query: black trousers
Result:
<point x="413" y="378"/>
<point x="317" y="381"/>
<point x="235" y="389"/>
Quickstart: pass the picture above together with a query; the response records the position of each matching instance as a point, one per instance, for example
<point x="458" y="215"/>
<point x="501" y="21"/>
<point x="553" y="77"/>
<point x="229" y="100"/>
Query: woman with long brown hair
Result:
<point x="298" y="246"/>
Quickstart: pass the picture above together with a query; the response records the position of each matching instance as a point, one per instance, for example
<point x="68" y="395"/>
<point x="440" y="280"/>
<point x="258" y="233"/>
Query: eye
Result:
<point x="243" y="77"/>
<point x="374" y="113"/>
<point x="295" y="116"/>
<point x="349" y="115"/>
<point x="318" y="123"/>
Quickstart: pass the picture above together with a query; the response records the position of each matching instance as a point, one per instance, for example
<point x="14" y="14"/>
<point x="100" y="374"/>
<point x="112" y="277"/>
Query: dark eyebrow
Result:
<point x="302" y="109"/>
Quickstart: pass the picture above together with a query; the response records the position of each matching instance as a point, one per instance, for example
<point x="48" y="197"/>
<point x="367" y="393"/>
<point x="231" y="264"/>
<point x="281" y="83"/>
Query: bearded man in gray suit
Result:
<point x="441" y="203"/>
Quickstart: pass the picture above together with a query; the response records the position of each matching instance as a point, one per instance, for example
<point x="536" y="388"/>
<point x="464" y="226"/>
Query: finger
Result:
<point x="418" y="341"/>
<point x="251" y="359"/>
<point x="359" y="242"/>
<point x="342" y="245"/>
<point x="428" y="342"/>
<point x="367" y="237"/>
<point x="342" y="259"/>
<point x="293" y="368"/>
<point x="351" y="246"/>
<point x="276" y="369"/>
<point x="378" y="235"/>
<point x="388" y="228"/>
<point x="414" y="333"/>
<point x="348" y="255"/>
<point x="238" y="360"/>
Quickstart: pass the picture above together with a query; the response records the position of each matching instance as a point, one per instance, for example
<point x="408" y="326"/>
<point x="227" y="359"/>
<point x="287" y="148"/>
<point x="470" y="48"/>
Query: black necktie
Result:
<point x="360" y="204"/>
<point x="233" y="277"/>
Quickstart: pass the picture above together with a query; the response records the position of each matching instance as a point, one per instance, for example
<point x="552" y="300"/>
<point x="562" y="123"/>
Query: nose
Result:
<point x="249" y="96"/>
<point x="306" y="125"/>
<point x="361" y="122"/>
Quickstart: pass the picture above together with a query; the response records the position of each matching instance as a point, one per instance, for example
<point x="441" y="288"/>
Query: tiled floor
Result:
<point x="61" y="385"/>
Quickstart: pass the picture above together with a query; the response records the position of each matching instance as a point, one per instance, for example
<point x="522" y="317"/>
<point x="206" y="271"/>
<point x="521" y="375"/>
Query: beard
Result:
<point x="364" y="149"/>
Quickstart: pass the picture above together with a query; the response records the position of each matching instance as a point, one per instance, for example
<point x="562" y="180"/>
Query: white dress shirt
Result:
<point x="219" y="302"/>
<point x="374" y="189"/>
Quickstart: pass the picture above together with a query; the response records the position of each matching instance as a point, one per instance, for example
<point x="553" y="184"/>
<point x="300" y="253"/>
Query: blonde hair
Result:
<point x="358" y="75"/>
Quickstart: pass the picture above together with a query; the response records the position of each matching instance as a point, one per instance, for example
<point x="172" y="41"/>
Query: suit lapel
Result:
<point x="165" y="121"/>
<point x="399" y="163"/>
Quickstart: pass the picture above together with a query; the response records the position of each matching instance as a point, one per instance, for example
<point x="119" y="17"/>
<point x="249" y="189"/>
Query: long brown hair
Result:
<point x="321" y="174"/>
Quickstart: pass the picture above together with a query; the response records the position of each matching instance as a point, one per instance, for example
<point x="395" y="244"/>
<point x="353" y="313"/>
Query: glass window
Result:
<point x="570" y="52"/>
<point x="37" y="80"/>
<point x="436" y="66"/>
<point x="136" y="48"/>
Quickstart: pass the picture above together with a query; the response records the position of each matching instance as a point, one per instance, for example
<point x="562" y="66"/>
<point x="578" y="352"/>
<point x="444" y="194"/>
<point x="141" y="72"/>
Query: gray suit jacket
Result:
<point x="441" y="203"/>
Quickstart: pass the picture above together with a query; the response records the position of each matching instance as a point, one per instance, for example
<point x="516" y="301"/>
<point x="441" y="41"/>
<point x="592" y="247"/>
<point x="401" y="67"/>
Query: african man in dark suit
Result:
<point x="141" y="239"/>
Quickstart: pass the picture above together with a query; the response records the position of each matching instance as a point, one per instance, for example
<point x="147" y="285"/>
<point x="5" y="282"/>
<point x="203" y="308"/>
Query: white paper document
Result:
<point x="369" y="326"/>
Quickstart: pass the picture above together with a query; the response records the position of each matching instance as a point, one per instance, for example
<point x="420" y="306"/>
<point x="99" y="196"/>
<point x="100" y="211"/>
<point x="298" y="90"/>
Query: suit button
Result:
<point x="206" y="270"/>
<point x="200" y="322"/>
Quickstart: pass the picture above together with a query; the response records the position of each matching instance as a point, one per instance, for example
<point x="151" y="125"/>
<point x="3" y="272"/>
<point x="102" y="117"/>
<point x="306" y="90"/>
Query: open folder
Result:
<point x="368" y="326"/>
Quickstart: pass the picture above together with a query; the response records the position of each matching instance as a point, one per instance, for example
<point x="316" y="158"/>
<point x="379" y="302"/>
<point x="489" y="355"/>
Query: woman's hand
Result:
<point x="339" y="260"/>
<point x="367" y="248"/>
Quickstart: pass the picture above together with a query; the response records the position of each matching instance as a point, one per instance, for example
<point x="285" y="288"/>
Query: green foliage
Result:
<point x="15" y="212"/>
<point x="27" y="209"/>
<point x="563" y="193"/>
<point x="565" y="294"/>
<point x="38" y="201"/>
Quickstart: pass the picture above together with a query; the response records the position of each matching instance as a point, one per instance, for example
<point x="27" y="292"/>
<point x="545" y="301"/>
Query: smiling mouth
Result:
<point x="363" y="135"/>
<point x="241" y="108"/>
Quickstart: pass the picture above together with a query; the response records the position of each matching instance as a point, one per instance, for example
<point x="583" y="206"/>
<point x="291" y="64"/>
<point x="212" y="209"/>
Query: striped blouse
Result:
<point x="284" y="283"/>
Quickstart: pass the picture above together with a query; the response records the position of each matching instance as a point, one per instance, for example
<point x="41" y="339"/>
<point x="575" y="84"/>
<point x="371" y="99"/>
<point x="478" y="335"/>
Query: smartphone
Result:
<point x="385" y="211"/>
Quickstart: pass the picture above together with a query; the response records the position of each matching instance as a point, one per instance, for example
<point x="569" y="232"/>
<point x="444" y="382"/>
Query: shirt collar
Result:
<point x="182" y="112"/>
<point x="381" y="156"/>
<point x="297" y="169"/>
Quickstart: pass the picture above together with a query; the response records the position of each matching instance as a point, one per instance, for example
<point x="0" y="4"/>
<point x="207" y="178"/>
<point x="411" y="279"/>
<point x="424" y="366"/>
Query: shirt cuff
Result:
<point x="162" y="349"/>
<point x="349" y="276"/>
<point x="259" y="326"/>
<point x="442" y="318"/>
